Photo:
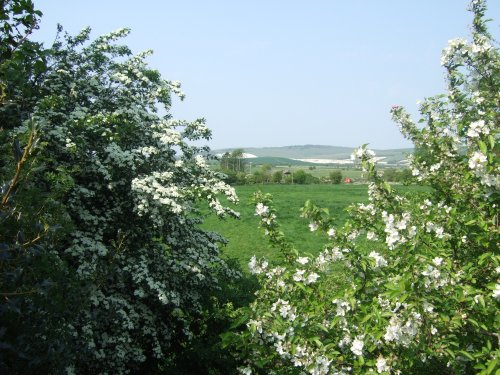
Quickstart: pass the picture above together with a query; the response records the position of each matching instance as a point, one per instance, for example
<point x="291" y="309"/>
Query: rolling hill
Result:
<point x="313" y="154"/>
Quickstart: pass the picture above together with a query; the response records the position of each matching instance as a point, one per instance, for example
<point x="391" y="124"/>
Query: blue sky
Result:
<point x="278" y="73"/>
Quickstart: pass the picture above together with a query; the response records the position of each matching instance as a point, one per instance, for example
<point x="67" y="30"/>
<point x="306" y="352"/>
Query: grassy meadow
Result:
<point x="247" y="239"/>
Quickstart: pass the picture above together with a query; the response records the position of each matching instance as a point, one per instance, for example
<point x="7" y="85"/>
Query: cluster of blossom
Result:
<point x="255" y="267"/>
<point x="285" y="309"/>
<point x="146" y="151"/>
<point x="382" y="365"/>
<point x="395" y="226"/>
<point x="299" y="354"/>
<point x="330" y="255"/>
<point x="307" y="278"/>
<point x="197" y="130"/>
<point x="261" y="209"/>
<point x="476" y="128"/>
<point x="365" y="154"/>
<point x="433" y="277"/>
<point x="431" y="227"/>
<point x="357" y="345"/>
<point x="109" y="37"/>
<point x="379" y="259"/>
<point x="477" y="163"/>
<point x="342" y="307"/>
<point x="155" y="191"/>
<point x="175" y="87"/>
<point x="401" y="330"/>
<point x="211" y="187"/>
<point x="165" y="132"/>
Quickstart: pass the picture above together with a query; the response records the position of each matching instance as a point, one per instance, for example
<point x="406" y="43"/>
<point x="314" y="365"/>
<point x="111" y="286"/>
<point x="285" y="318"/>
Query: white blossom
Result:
<point x="357" y="345"/>
<point x="379" y="260"/>
<point x="382" y="365"/>
<point x="303" y="260"/>
<point x="313" y="226"/>
<point x="261" y="209"/>
<point x="477" y="160"/>
<point x="496" y="292"/>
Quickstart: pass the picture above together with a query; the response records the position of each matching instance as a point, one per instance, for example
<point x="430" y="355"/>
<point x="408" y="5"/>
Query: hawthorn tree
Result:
<point x="104" y="266"/>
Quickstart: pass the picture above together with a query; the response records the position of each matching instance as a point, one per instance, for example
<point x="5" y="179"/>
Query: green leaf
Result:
<point x="483" y="147"/>
<point x="317" y="341"/>
<point x="366" y="318"/>
<point x="450" y="352"/>
<point x="492" y="141"/>
<point x="491" y="366"/>
<point x="466" y="354"/>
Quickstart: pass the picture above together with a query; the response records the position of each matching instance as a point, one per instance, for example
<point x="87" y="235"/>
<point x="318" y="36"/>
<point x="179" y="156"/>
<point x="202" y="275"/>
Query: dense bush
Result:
<point x="104" y="268"/>
<point x="301" y="177"/>
<point x="410" y="284"/>
<point x="336" y="177"/>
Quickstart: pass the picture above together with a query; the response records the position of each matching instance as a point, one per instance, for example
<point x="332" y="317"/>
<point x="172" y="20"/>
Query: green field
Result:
<point x="245" y="237"/>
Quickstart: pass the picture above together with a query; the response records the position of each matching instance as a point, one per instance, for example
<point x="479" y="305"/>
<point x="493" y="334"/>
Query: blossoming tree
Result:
<point x="125" y="183"/>
<point x="410" y="284"/>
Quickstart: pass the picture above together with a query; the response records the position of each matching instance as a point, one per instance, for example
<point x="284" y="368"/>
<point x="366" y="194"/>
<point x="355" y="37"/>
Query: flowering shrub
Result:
<point x="126" y="184"/>
<point x="411" y="282"/>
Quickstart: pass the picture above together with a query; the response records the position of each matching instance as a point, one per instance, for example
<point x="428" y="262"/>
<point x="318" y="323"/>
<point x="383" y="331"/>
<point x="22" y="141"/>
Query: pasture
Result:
<point x="246" y="239"/>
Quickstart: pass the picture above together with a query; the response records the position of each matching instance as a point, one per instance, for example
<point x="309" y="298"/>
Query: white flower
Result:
<point x="313" y="226"/>
<point x="428" y="307"/>
<point x="353" y="235"/>
<point x="476" y="128"/>
<point x="435" y="167"/>
<point x="437" y="261"/>
<point x="299" y="275"/>
<point x="496" y="292"/>
<point x="331" y="232"/>
<point x="342" y="307"/>
<point x="357" y="345"/>
<point x="379" y="260"/>
<point x="312" y="278"/>
<point x="371" y="236"/>
<point x="303" y="260"/>
<point x="477" y="160"/>
<point x="433" y="330"/>
<point x="256" y="268"/>
<point x="261" y="209"/>
<point x="382" y="365"/>
<point x="403" y="332"/>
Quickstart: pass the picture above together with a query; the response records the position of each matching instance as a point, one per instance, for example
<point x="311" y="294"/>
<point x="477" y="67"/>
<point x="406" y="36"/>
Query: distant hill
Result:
<point x="282" y="155"/>
<point x="276" y="160"/>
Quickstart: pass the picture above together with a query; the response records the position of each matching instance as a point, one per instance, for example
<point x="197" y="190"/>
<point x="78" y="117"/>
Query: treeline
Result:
<point x="237" y="170"/>
<point x="265" y="174"/>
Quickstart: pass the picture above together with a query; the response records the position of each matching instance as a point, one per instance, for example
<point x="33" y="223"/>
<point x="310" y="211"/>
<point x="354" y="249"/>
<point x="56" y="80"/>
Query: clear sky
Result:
<point x="286" y="72"/>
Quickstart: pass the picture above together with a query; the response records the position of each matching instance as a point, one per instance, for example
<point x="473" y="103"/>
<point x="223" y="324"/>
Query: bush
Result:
<point x="336" y="177"/>
<point x="104" y="266"/>
<point x="410" y="284"/>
